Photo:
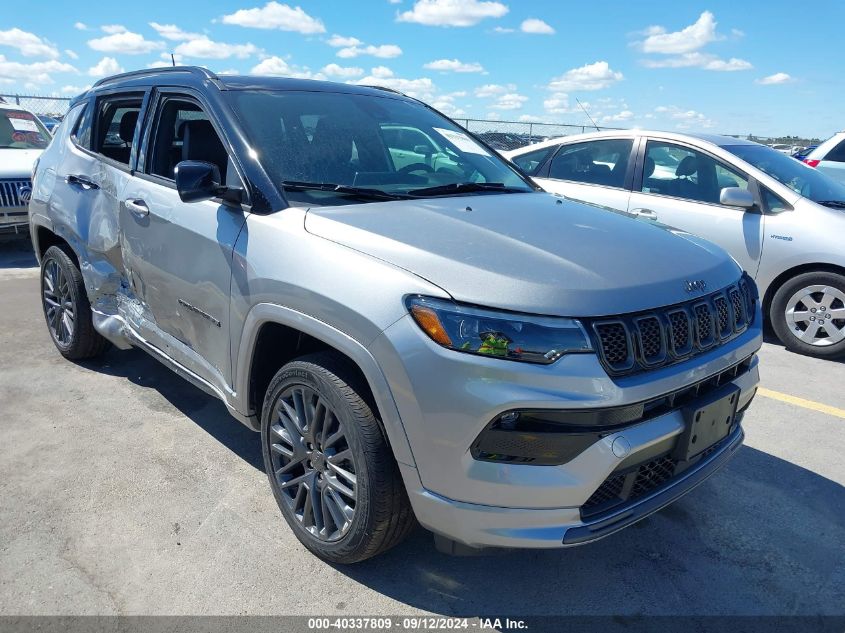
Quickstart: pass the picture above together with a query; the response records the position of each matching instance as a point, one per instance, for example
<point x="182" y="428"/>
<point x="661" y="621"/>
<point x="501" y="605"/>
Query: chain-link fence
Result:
<point x="505" y="135"/>
<point x="50" y="106"/>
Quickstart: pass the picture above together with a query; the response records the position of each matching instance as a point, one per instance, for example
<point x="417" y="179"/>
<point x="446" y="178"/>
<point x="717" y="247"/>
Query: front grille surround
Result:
<point x="629" y="344"/>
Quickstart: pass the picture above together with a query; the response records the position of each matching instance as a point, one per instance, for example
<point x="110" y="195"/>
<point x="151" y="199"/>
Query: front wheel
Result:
<point x="808" y="314"/>
<point x="329" y="465"/>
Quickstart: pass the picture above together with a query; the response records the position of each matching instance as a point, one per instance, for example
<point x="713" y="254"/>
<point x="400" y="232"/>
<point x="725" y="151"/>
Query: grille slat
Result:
<point x="637" y="342"/>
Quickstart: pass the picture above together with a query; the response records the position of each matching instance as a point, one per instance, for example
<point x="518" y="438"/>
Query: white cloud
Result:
<point x="279" y="67"/>
<point x="491" y="90"/>
<point x="111" y="29"/>
<point x="38" y="72"/>
<point x="205" y="48"/>
<point x="276" y="16"/>
<point x="685" y="119"/>
<point x="777" y="78"/>
<point x="28" y="44"/>
<point x="80" y="26"/>
<point x="595" y="76"/>
<point x="705" y="61"/>
<point x="384" y="50"/>
<point x="71" y="54"/>
<point x="688" y="39"/>
<point x="173" y="32"/>
<point x="345" y="72"/>
<point x="510" y="101"/>
<point x="124" y="42"/>
<point x="455" y="66"/>
<point x="106" y="66"/>
<point x="72" y="90"/>
<point x="538" y="27"/>
<point x="339" y="41"/>
<point x="452" y="12"/>
<point x="502" y="29"/>
<point x="422" y="88"/>
<point x="619" y="117"/>
<point x="557" y="103"/>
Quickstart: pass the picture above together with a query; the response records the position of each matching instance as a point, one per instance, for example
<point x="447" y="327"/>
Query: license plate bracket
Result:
<point x="707" y="421"/>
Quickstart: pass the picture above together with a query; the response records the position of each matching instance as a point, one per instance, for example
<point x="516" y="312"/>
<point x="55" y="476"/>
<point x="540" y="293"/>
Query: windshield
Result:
<point x="378" y="147"/>
<point x="801" y="178"/>
<point x="21" y="130"/>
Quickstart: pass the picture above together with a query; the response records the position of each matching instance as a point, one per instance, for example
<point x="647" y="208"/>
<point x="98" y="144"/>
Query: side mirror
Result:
<point x="197" y="180"/>
<point x="736" y="197"/>
<point x="425" y="150"/>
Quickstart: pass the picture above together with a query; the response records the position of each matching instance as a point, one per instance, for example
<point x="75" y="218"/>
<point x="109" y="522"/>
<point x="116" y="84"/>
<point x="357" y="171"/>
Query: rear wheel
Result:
<point x="808" y="314"/>
<point x="329" y="465"/>
<point x="66" y="307"/>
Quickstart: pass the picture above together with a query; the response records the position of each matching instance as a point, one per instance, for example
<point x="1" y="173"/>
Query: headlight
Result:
<point x="512" y="336"/>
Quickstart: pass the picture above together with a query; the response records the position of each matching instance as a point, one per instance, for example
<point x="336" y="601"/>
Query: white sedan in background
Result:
<point x="780" y="219"/>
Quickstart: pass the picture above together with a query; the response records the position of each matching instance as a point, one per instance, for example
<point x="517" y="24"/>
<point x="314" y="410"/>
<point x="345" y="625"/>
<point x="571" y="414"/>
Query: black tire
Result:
<point x="382" y="515"/>
<point x="789" y="332"/>
<point x="83" y="341"/>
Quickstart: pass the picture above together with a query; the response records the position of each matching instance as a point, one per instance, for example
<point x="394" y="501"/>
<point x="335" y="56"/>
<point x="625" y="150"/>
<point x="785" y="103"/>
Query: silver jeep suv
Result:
<point x="417" y="332"/>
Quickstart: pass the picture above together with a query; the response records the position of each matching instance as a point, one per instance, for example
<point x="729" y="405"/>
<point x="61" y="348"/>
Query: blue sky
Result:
<point x="740" y="66"/>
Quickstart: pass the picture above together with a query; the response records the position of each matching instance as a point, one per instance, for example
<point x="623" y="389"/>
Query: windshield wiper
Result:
<point x="836" y="204"/>
<point x="465" y="187"/>
<point x="360" y="192"/>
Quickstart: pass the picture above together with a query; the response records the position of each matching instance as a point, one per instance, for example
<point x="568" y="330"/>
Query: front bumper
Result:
<point x="14" y="220"/>
<point x="445" y="399"/>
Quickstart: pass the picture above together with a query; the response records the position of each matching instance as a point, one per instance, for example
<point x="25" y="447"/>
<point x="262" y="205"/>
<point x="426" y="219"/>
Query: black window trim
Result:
<point x="160" y="95"/>
<point x="638" y="178"/>
<point x="629" y="169"/>
<point x="110" y="95"/>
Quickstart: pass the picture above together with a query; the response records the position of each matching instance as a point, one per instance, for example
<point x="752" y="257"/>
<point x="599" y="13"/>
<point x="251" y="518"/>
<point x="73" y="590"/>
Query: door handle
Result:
<point x="137" y="206"/>
<point x="81" y="181"/>
<point x="645" y="214"/>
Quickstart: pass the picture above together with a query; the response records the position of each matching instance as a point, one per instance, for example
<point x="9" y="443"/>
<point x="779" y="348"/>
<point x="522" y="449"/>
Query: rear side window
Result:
<point x="116" y="123"/>
<point x="530" y="162"/>
<point x="837" y="154"/>
<point x="601" y="162"/>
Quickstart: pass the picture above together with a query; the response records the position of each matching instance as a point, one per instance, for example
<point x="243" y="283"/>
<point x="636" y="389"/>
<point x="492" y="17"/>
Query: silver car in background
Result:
<point x="780" y="219"/>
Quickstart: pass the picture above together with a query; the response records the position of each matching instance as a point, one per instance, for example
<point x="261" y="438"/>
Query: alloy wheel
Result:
<point x="58" y="303"/>
<point x="816" y="315"/>
<point x="313" y="463"/>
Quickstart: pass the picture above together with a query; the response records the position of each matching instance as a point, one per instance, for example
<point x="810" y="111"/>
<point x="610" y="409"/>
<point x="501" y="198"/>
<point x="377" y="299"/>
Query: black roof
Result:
<point x="196" y="76"/>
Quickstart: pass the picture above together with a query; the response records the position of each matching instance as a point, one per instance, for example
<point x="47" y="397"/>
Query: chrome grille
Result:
<point x="9" y="196"/>
<point x="636" y="342"/>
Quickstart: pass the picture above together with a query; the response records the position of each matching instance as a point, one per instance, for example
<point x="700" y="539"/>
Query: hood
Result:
<point x="530" y="252"/>
<point x="17" y="163"/>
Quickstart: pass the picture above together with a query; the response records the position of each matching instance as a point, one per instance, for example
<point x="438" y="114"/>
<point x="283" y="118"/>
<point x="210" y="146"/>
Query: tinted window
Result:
<point x="116" y="124"/>
<point x="799" y="177"/>
<point x="773" y="203"/>
<point x="837" y="154"/>
<point x="594" y="162"/>
<point x="356" y="140"/>
<point x="21" y="130"/>
<point x="81" y="134"/>
<point x="184" y="132"/>
<point x="530" y="162"/>
<point x="682" y="172"/>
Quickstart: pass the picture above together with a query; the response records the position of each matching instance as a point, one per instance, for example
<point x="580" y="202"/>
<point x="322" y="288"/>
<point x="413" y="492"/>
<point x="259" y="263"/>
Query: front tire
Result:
<point x="808" y="314"/>
<point x="66" y="307"/>
<point x="328" y="462"/>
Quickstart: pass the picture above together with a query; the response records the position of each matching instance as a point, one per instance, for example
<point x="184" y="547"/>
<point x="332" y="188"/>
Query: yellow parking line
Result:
<point x="800" y="402"/>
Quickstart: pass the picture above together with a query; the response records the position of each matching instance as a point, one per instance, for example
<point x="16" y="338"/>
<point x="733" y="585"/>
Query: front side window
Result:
<point x="530" y="162"/>
<point x="601" y="162"/>
<point x="183" y="131"/>
<point x="682" y="172"/>
<point x="20" y="129"/>
<point x="116" y="123"/>
<point x="313" y="144"/>
<point x="801" y="178"/>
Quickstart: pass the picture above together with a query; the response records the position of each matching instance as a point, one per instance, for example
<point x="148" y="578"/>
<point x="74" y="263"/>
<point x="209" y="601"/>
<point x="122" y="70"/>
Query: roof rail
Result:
<point x="205" y="73"/>
<point x="385" y="88"/>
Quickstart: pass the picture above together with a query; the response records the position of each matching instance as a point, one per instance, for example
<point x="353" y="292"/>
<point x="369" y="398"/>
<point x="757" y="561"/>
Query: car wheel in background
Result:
<point x="66" y="307"/>
<point x="329" y="465"/>
<point x="808" y="314"/>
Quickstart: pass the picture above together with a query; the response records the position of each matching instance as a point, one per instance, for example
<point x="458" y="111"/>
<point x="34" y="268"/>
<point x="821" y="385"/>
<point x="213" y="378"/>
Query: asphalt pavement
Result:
<point x="125" y="490"/>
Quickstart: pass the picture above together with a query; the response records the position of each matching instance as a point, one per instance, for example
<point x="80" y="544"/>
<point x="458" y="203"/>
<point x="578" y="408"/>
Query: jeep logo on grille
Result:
<point x="697" y="284"/>
<point x="24" y="194"/>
